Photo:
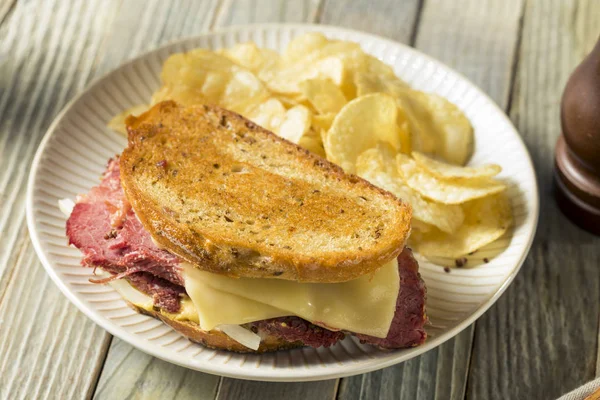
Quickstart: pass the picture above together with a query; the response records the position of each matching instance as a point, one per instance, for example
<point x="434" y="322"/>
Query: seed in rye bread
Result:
<point x="162" y="164"/>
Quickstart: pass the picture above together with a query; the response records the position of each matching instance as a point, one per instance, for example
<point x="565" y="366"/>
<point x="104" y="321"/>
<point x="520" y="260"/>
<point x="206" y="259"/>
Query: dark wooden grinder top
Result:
<point x="577" y="155"/>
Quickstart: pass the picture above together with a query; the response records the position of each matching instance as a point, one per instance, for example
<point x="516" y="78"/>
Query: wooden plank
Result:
<point x="43" y="71"/>
<point x="236" y="389"/>
<point x="129" y="373"/>
<point x="5" y="7"/>
<point x="445" y="31"/>
<point x="394" y="19"/>
<point x="48" y="348"/>
<point x="540" y="340"/>
<point x="158" y="23"/>
<point x="477" y="38"/>
<point x="238" y="12"/>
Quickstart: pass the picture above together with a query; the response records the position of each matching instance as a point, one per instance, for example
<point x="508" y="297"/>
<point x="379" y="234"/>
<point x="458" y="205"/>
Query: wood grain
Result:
<point x="394" y="19"/>
<point x="5" y="7"/>
<point x="540" y="340"/>
<point x="237" y="389"/>
<point x="478" y="38"/>
<point x="445" y="31"/>
<point x="239" y="12"/>
<point x="48" y="348"/>
<point x="129" y="373"/>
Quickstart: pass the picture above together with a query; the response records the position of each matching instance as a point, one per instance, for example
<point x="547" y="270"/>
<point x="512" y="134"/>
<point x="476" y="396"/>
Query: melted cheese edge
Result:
<point x="365" y="305"/>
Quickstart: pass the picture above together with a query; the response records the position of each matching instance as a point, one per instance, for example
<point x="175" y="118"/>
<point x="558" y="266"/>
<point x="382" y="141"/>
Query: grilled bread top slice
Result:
<point x="233" y="198"/>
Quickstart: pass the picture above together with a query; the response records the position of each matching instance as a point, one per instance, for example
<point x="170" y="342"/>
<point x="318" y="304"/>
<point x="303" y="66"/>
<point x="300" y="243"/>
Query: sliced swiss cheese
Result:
<point x="365" y="305"/>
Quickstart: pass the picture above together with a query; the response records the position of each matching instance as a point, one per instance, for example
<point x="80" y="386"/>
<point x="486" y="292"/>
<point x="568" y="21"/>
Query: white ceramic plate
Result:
<point x="74" y="152"/>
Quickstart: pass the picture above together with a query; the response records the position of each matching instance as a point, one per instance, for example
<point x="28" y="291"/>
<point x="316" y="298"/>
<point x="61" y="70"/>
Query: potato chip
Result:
<point x="117" y="123"/>
<point x="424" y="134"/>
<point x="251" y="57"/>
<point x="378" y="167"/>
<point x="330" y="48"/>
<point x="359" y="126"/>
<point x="291" y="100"/>
<point x="323" y="121"/>
<point x="288" y="80"/>
<point x="203" y="77"/>
<point x="324" y="96"/>
<point x="310" y="56"/>
<point x="372" y="75"/>
<point x="455" y="133"/>
<point x="296" y="127"/>
<point x="312" y="142"/>
<point x="444" y="191"/>
<point x="420" y="226"/>
<point x="270" y="115"/>
<point x="404" y="132"/>
<point x="486" y="220"/>
<point x="296" y="124"/>
<point x="442" y="170"/>
<point x="303" y="45"/>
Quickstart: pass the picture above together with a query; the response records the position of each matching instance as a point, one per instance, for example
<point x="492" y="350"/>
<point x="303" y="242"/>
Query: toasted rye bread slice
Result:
<point x="217" y="339"/>
<point x="235" y="199"/>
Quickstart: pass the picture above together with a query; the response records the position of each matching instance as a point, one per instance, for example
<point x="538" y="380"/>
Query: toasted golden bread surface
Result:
<point x="217" y="339"/>
<point x="235" y="199"/>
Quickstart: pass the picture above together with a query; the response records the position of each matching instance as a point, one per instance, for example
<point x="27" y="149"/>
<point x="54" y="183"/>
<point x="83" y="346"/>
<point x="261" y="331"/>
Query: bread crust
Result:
<point x="216" y="339"/>
<point x="319" y="232"/>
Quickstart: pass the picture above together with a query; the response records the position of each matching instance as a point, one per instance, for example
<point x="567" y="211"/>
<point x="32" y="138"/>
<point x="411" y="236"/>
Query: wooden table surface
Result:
<point x="538" y="341"/>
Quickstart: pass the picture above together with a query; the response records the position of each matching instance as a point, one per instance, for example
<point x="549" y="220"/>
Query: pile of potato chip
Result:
<point x="343" y="104"/>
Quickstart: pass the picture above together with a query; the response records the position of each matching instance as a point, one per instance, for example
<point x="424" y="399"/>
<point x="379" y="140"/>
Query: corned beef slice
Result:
<point x="104" y="227"/>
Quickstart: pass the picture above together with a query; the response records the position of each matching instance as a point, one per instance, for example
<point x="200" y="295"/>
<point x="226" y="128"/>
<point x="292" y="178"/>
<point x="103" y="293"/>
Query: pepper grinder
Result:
<point x="577" y="154"/>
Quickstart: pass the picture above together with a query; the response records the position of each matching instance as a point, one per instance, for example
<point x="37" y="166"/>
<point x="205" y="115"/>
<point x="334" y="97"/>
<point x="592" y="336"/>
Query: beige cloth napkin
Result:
<point x="584" y="391"/>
